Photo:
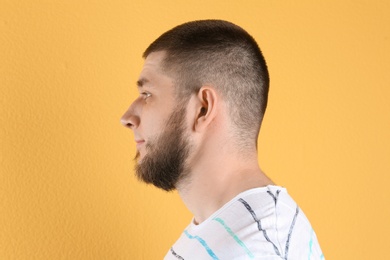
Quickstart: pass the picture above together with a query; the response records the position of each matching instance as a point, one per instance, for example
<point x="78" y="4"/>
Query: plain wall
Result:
<point x="68" y="71"/>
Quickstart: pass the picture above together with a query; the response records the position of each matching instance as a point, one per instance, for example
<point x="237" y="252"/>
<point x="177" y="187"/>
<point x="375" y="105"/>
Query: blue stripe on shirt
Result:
<point x="228" y="229"/>
<point x="203" y="243"/>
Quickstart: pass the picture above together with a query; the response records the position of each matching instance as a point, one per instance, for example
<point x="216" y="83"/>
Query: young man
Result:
<point x="203" y="93"/>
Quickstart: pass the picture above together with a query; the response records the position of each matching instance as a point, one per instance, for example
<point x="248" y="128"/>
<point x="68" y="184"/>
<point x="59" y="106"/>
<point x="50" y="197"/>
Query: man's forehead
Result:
<point x="152" y="64"/>
<point x="152" y="69"/>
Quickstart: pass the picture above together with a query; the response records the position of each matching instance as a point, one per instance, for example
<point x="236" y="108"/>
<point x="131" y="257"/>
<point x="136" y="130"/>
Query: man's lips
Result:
<point x="139" y="143"/>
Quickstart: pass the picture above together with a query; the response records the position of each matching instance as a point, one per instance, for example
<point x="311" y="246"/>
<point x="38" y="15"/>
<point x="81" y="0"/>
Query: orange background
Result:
<point x="68" y="72"/>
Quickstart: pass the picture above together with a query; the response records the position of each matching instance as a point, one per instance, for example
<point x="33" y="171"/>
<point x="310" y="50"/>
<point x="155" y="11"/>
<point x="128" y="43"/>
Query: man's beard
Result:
<point x="164" y="164"/>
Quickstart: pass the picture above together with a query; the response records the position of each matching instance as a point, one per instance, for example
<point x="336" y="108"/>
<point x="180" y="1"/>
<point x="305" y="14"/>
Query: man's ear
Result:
<point x="206" y="107"/>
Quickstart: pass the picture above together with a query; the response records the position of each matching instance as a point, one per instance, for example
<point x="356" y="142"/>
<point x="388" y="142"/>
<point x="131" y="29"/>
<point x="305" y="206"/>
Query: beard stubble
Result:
<point x="164" y="164"/>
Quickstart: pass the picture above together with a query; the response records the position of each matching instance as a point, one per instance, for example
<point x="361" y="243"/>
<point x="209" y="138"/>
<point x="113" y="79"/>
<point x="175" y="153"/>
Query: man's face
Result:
<point x="158" y="123"/>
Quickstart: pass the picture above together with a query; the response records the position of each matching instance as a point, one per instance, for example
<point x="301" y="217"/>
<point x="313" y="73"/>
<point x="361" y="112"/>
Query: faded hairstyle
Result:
<point x="223" y="55"/>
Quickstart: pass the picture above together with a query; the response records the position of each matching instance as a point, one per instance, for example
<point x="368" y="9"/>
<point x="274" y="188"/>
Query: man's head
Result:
<point x="210" y="60"/>
<point x="221" y="54"/>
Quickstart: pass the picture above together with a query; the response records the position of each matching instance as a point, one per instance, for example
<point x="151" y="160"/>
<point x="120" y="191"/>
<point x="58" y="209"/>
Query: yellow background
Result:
<point x="68" y="72"/>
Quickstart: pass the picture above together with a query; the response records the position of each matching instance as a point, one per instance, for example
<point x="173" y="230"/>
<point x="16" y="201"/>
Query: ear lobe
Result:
<point x="207" y="107"/>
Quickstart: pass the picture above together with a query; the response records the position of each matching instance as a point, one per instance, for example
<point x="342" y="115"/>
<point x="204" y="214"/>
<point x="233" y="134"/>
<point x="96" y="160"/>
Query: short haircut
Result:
<point x="225" y="56"/>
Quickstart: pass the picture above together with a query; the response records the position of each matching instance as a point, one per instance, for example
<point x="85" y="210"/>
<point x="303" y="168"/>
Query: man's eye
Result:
<point x="146" y="94"/>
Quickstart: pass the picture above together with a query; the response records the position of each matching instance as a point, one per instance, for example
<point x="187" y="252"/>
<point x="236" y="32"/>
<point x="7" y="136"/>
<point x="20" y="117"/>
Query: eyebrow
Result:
<point x="141" y="82"/>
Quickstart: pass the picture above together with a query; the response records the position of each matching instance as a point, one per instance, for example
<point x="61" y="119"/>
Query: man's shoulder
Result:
<point x="262" y="222"/>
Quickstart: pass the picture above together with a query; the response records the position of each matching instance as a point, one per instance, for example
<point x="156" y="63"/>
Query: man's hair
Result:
<point x="225" y="56"/>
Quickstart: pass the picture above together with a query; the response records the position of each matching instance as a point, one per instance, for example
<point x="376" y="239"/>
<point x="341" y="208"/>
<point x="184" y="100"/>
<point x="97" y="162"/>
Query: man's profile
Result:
<point x="203" y="94"/>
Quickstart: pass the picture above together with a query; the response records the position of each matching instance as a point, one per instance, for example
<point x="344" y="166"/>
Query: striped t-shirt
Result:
<point x="261" y="223"/>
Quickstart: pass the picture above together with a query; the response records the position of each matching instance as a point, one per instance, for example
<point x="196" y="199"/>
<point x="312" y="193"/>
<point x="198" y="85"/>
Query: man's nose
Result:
<point x="130" y="118"/>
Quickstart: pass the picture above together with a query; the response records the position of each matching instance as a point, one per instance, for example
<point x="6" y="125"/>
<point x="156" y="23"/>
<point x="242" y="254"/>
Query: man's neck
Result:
<point x="214" y="182"/>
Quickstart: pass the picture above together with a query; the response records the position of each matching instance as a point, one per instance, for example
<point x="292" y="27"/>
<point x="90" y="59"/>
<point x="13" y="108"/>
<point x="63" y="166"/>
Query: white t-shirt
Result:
<point x="262" y="223"/>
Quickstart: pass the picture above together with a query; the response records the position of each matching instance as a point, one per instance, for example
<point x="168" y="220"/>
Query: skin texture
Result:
<point x="212" y="168"/>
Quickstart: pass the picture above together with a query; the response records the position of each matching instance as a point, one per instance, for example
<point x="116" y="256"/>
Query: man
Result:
<point x="203" y="93"/>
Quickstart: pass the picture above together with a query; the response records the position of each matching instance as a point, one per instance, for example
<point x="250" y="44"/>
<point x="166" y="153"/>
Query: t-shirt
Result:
<point x="262" y="223"/>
